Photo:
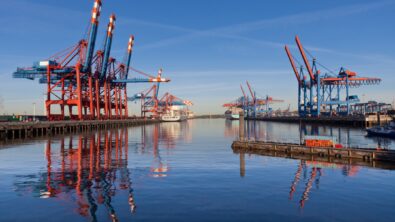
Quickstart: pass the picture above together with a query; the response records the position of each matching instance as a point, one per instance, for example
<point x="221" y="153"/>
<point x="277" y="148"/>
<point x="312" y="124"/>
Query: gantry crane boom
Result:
<point x="149" y="78"/>
<point x="91" y="81"/>
<point x="306" y="61"/>
<point x="244" y="95"/>
<point x="130" y="51"/>
<point x="291" y="60"/>
<point x="242" y="90"/>
<point x="252" y="93"/>
<point x="158" y="83"/>
<point x="322" y="94"/>
<point x="107" y="49"/>
<point x="93" y="34"/>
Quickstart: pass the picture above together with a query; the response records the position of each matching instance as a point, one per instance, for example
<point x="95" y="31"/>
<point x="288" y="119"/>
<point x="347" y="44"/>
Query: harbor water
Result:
<point x="187" y="171"/>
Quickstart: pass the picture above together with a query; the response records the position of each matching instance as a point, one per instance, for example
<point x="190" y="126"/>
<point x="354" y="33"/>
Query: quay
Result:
<point x="356" y="121"/>
<point x="293" y="149"/>
<point x="300" y="151"/>
<point x="209" y="116"/>
<point x="24" y="130"/>
<point x="310" y="158"/>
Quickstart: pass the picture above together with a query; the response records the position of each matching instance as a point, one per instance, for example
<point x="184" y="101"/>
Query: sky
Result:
<point x="206" y="47"/>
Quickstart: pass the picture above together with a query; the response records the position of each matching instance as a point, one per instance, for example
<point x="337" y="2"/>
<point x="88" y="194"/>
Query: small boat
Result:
<point x="233" y="113"/>
<point x="383" y="131"/>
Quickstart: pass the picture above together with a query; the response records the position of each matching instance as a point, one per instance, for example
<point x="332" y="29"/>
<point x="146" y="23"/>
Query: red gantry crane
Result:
<point x="252" y="105"/>
<point x="88" y="85"/>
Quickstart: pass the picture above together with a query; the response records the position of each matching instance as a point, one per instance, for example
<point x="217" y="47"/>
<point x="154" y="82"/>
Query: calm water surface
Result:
<point x="188" y="172"/>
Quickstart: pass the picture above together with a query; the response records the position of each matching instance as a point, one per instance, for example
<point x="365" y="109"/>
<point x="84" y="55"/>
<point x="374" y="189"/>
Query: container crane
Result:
<point x="90" y="82"/>
<point x="169" y="100"/>
<point x="254" y="106"/>
<point x="323" y="92"/>
<point x="251" y="107"/>
<point x="149" y="101"/>
<point x="244" y="95"/>
<point x="92" y="35"/>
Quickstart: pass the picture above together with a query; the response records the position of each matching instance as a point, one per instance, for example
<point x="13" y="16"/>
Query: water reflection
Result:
<point x="164" y="135"/>
<point x="254" y="130"/>
<point x="316" y="172"/>
<point x="158" y="168"/>
<point x="89" y="170"/>
<point x="231" y="128"/>
<point x="93" y="177"/>
<point x="294" y="133"/>
<point x="308" y="173"/>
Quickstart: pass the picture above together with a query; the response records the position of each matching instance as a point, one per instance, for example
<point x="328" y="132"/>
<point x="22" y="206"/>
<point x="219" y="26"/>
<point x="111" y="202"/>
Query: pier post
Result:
<point x="241" y="126"/>
<point x="378" y="119"/>
<point x="242" y="164"/>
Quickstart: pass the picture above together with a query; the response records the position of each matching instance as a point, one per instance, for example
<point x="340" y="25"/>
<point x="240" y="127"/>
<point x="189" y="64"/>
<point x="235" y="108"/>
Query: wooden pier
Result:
<point x="301" y="151"/>
<point x="310" y="158"/>
<point x="356" y="121"/>
<point x="296" y="150"/>
<point x="24" y="130"/>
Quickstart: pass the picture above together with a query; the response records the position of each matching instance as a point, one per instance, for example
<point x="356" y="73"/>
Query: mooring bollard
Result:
<point x="241" y="126"/>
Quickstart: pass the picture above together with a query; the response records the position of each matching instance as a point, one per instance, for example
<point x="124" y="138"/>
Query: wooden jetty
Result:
<point x="310" y="158"/>
<point x="300" y="151"/>
<point x="24" y="130"/>
<point x="297" y="150"/>
<point x="357" y="120"/>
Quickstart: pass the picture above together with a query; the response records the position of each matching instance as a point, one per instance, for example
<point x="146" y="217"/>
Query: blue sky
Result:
<point x="206" y="47"/>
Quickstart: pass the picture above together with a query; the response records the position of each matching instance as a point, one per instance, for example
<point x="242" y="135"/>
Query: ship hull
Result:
<point x="230" y="116"/>
<point x="381" y="133"/>
<point x="176" y="118"/>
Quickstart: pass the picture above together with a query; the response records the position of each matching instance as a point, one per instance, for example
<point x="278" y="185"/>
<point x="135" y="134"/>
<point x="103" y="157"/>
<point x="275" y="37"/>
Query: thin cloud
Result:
<point x="305" y="17"/>
<point x="129" y="21"/>
<point x="231" y="32"/>
<point x="228" y="73"/>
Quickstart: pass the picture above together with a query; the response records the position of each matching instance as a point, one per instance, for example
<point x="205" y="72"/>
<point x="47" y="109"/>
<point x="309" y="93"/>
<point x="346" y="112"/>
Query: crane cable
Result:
<point x="141" y="72"/>
<point x="324" y="67"/>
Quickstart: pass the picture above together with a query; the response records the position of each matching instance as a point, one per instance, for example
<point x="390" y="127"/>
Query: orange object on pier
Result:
<point x="319" y="141"/>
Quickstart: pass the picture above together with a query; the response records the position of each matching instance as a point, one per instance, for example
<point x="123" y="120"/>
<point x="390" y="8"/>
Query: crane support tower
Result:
<point x="86" y="85"/>
<point x="324" y="94"/>
<point x="154" y="106"/>
<point x="253" y="105"/>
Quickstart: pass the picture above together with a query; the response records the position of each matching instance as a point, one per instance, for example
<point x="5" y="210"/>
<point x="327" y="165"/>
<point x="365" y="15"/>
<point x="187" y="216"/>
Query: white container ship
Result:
<point x="176" y="113"/>
<point x="233" y="113"/>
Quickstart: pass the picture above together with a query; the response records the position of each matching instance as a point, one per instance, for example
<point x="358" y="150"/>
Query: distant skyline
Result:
<point x="207" y="48"/>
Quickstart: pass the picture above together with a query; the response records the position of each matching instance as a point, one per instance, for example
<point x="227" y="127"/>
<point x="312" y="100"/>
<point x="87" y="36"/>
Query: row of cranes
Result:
<point x="89" y="84"/>
<point x="252" y="105"/>
<point x="154" y="106"/>
<point x="324" y="94"/>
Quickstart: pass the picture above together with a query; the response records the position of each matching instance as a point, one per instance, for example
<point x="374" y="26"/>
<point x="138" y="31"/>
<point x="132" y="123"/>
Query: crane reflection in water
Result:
<point x="309" y="172"/>
<point x="316" y="172"/>
<point x="89" y="171"/>
<point x="294" y="133"/>
<point x="165" y="135"/>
